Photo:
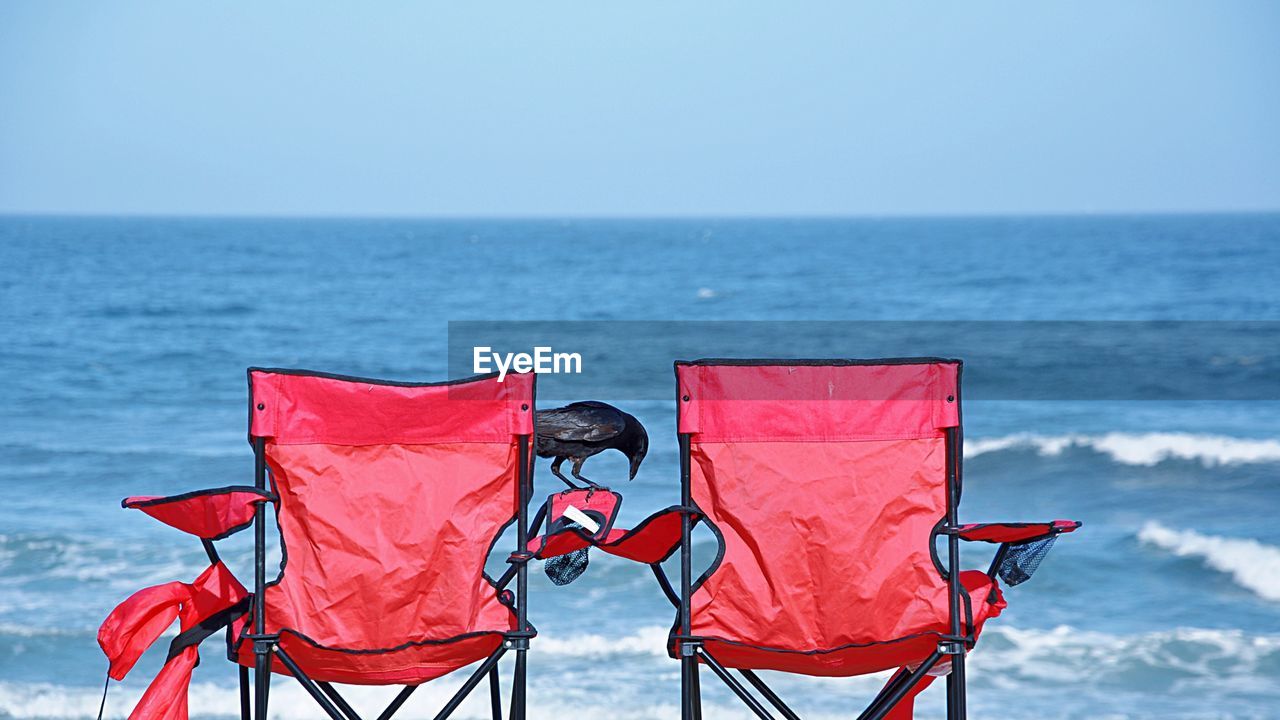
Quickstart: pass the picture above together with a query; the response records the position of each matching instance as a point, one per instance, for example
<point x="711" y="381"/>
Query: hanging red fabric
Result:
<point x="135" y="624"/>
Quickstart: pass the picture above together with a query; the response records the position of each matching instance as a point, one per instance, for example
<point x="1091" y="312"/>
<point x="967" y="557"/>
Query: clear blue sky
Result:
<point x="639" y="108"/>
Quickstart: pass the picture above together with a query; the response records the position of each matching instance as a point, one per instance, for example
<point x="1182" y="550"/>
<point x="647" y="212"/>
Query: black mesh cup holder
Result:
<point x="1021" y="560"/>
<point x="564" y="569"/>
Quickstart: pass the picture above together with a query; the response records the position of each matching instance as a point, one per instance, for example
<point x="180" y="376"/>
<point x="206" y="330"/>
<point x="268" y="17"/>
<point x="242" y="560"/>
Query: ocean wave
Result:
<point x="1062" y="653"/>
<point x="230" y="449"/>
<point x="1188" y="662"/>
<point x="18" y="630"/>
<point x="651" y="641"/>
<point x="290" y="702"/>
<point x="1127" y="448"/>
<point x="119" y="311"/>
<point x="31" y="559"/>
<point x="1143" y="449"/>
<point x="31" y="631"/>
<point x="1251" y="564"/>
<point x="1067" y="654"/>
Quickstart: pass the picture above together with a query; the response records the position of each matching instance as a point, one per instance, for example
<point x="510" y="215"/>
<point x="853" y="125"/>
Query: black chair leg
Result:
<point x="397" y="701"/>
<point x="261" y="685"/>
<point x="518" y="686"/>
<point x="495" y="693"/>
<point x="956" y="691"/>
<point x="312" y="688"/>
<point x="747" y="698"/>
<point x="695" y="685"/>
<point x="246" y="703"/>
<point x="885" y="702"/>
<point x="338" y="700"/>
<point x="768" y="694"/>
<point x="686" y="689"/>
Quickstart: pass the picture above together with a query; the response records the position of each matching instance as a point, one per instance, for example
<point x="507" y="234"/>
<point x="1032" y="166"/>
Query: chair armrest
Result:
<point x="1022" y="545"/>
<point x="1015" y="532"/>
<point x="653" y="540"/>
<point x="208" y="514"/>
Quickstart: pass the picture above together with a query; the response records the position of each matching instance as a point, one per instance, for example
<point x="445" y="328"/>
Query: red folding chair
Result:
<point x="827" y="484"/>
<point x="389" y="497"/>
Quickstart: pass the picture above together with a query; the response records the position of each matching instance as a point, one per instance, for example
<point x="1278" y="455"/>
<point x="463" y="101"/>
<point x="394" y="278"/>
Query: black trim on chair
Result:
<point x="833" y="362"/>
<point x="370" y="381"/>
<point x="266" y="496"/>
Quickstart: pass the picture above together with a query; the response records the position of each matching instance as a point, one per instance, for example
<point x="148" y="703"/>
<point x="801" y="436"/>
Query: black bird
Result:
<point x="582" y="429"/>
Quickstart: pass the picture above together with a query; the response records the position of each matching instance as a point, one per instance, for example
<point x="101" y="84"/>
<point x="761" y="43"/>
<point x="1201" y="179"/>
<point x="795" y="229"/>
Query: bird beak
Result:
<point x="635" y="466"/>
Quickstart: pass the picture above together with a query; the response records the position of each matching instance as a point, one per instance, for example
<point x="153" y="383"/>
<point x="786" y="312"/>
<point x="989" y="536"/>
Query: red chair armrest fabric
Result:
<point x="208" y="514"/>
<point x="653" y="540"/>
<point x="1015" y="532"/>
<point x="564" y="542"/>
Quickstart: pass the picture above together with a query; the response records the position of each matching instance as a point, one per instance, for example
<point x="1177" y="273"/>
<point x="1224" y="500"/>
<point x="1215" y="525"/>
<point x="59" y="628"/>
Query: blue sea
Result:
<point x="123" y="345"/>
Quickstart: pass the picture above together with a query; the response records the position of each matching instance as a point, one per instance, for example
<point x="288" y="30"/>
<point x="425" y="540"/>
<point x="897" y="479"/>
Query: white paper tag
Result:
<point x="582" y="519"/>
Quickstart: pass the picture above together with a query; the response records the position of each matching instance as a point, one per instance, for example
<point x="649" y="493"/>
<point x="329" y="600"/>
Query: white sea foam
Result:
<point x="94" y="558"/>
<point x="1071" y="655"/>
<point x="1140" y="448"/>
<point x="290" y="702"/>
<point x="31" y="631"/>
<point x="650" y="640"/>
<point x="1062" y="652"/>
<point x="1018" y="660"/>
<point x="1251" y="564"/>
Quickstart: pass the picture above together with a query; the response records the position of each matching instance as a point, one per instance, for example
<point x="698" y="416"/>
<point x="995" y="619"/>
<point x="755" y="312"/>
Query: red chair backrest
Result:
<point x="390" y="497"/>
<point x="824" y="481"/>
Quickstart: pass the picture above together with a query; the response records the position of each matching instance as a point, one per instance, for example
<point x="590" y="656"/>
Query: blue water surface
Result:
<point x="125" y="343"/>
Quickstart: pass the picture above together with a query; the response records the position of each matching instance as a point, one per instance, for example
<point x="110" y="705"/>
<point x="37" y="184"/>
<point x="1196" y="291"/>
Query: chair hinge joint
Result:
<point x="517" y="639"/>
<point x="262" y="644"/>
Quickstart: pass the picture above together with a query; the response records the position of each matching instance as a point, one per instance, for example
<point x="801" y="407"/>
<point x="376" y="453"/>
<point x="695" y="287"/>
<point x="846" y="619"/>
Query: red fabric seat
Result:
<point x="824" y="484"/>
<point x="390" y="497"/>
<point x="875" y="656"/>
<point x="827" y="484"/>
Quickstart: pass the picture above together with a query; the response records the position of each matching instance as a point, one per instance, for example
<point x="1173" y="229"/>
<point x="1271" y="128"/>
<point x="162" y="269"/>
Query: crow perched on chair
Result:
<point x="582" y="429"/>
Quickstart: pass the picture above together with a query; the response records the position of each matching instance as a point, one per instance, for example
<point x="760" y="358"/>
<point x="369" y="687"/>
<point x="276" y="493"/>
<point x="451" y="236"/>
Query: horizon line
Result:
<point x="541" y="217"/>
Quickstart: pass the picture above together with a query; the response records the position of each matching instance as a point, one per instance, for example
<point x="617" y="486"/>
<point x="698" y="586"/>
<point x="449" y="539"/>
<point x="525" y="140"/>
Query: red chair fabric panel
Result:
<point x="653" y="540"/>
<point x="207" y="514"/>
<point x="791" y="400"/>
<point x="824" y="482"/>
<point x="390" y="497"/>
<point x="1015" y="532"/>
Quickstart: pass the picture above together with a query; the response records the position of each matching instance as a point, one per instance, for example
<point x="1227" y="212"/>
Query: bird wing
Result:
<point x="581" y="422"/>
